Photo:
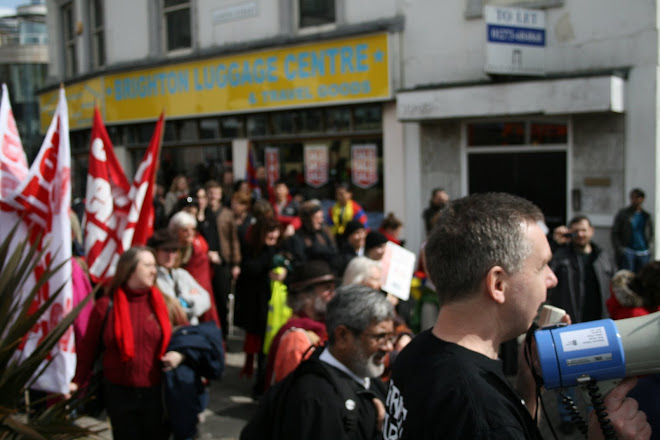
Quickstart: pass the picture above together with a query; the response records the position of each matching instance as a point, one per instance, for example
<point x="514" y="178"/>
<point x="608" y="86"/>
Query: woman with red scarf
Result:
<point x="132" y="327"/>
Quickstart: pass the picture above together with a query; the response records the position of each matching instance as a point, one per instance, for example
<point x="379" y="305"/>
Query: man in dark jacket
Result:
<point x="632" y="234"/>
<point x="317" y="406"/>
<point x="439" y="199"/>
<point x="583" y="273"/>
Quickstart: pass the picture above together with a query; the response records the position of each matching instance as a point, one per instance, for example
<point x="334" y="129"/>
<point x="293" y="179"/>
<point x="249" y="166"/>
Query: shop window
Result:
<point x="257" y="125"/>
<point x="368" y="117"/>
<point x="232" y="127"/>
<point x="69" y="33"/>
<point x="177" y="25"/>
<point x="188" y="130"/>
<point x="284" y="122"/>
<point x="496" y="133"/>
<point x="338" y="119"/>
<point x="310" y="121"/>
<point x="316" y="12"/>
<point x="209" y="129"/>
<point x="169" y="135"/>
<point x="97" y="33"/>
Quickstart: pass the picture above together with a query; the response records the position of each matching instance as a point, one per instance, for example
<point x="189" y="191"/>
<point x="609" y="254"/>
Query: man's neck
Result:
<point x="586" y="249"/>
<point x="469" y="325"/>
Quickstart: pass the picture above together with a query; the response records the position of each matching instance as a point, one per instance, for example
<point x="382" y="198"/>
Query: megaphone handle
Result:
<point x="599" y="408"/>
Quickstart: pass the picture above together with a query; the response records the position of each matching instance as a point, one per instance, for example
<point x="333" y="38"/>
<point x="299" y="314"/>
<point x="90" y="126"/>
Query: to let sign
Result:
<point x="515" y="41"/>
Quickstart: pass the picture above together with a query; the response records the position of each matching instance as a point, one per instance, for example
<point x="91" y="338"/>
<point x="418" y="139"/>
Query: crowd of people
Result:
<point x="334" y="336"/>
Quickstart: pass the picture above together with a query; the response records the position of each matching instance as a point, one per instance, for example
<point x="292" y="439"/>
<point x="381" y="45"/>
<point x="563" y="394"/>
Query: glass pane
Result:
<point x="496" y="133"/>
<point x="310" y="121"/>
<point x="316" y="12"/>
<point x="548" y="133"/>
<point x="338" y="119"/>
<point x="283" y="123"/>
<point x="209" y="129"/>
<point x="99" y="46"/>
<point x="178" y="29"/>
<point x="368" y="117"/>
<point x="188" y="130"/>
<point x="257" y="125"/>
<point x="232" y="127"/>
<point x="67" y="19"/>
<point x="170" y="132"/>
<point x="98" y="13"/>
<point x="145" y="131"/>
<point x="169" y="3"/>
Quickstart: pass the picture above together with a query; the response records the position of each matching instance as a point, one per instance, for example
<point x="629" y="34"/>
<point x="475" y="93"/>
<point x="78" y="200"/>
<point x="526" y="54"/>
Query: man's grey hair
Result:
<point x="180" y="220"/>
<point x="356" y="307"/>
<point x="358" y="270"/>
<point x="474" y="234"/>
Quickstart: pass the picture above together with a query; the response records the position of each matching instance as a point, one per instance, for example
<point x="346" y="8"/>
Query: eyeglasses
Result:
<point x="381" y="338"/>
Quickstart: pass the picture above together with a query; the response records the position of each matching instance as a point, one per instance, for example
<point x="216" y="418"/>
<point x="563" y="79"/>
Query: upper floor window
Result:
<point x="98" y="33"/>
<point x="176" y="17"/>
<point x="316" y="13"/>
<point x="69" y="33"/>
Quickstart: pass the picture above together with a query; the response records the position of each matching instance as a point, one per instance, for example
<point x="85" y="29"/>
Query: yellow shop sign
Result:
<point x="332" y="72"/>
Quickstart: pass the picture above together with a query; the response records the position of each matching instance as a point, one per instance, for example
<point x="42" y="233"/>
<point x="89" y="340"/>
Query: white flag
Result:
<point x="13" y="163"/>
<point x="43" y="199"/>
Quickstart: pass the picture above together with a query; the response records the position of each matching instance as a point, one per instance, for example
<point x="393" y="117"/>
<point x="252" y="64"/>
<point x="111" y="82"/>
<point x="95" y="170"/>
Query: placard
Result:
<point x="364" y="165"/>
<point x="398" y="266"/>
<point x="316" y="165"/>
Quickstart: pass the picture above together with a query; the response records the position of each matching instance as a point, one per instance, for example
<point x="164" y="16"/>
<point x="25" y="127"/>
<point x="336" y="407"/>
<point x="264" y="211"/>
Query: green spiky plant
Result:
<point x="57" y="420"/>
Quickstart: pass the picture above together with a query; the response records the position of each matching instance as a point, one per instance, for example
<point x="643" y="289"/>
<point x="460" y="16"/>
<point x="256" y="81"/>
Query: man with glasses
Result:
<point x="313" y="401"/>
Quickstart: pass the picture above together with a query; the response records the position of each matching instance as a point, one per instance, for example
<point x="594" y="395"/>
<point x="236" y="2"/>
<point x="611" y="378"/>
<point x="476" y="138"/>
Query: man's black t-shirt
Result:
<point x="440" y="390"/>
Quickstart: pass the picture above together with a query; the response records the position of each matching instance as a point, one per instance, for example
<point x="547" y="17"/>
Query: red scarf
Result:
<point x="124" y="329"/>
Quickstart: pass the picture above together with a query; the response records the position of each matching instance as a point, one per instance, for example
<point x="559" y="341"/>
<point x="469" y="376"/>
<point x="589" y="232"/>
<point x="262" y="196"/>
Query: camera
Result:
<point x="569" y="235"/>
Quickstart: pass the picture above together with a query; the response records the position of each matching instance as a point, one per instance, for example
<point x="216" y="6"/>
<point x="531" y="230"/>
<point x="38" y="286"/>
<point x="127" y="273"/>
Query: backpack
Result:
<point x="263" y="425"/>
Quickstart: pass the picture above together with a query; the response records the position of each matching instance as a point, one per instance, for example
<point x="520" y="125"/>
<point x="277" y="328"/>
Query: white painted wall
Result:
<point x="212" y="33"/>
<point x="127" y="31"/>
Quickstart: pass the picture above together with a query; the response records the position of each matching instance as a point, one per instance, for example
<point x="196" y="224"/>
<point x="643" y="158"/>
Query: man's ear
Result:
<point x="343" y="337"/>
<point x="497" y="283"/>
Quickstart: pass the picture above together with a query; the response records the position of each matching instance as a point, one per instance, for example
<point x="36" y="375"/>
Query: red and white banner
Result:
<point x="364" y="165"/>
<point x="43" y="199"/>
<point x="13" y="163"/>
<point x="116" y="216"/>
<point x="316" y="165"/>
<point x="272" y="161"/>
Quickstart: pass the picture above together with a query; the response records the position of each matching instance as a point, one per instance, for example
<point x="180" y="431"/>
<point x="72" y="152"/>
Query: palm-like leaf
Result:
<point x="16" y="321"/>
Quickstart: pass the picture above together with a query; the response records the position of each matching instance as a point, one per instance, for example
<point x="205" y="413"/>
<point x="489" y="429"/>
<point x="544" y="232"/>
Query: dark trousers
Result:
<point x="221" y="287"/>
<point x="136" y="413"/>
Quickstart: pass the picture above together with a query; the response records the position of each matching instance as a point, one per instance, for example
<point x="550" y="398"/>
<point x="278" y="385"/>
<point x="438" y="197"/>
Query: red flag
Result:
<point x="43" y="199"/>
<point x="116" y="216"/>
<point x="13" y="163"/>
<point x="106" y="204"/>
<point x="142" y="191"/>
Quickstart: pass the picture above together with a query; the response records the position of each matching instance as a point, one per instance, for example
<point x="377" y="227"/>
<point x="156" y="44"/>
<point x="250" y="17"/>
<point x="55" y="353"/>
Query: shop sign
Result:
<point x="348" y="70"/>
<point x="272" y="161"/>
<point x="364" y="165"/>
<point x="515" y="41"/>
<point x="316" y="165"/>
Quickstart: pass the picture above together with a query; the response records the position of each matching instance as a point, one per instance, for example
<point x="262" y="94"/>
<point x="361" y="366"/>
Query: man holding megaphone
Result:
<point x="488" y="258"/>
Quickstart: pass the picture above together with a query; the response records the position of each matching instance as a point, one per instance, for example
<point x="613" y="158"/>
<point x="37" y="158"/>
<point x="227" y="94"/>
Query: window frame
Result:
<point x="69" y="34"/>
<point x="99" y="58"/>
<point x="165" y="10"/>
<point x="325" y="27"/>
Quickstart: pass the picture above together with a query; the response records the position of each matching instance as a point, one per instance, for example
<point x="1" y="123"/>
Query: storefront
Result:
<point x="313" y="114"/>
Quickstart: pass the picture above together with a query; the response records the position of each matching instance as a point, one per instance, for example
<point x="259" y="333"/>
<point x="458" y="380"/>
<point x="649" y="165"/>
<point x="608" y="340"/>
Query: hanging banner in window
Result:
<point x="364" y="165"/>
<point x="316" y="165"/>
<point x="320" y="73"/>
<point x="272" y="161"/>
